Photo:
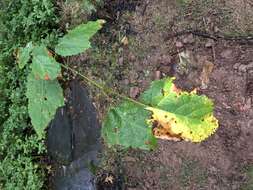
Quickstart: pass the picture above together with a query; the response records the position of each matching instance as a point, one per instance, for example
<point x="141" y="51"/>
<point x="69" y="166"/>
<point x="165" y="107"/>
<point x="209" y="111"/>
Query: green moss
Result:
<point x="249" y="183"/>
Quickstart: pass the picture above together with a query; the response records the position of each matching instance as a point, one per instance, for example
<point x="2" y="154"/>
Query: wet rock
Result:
<point x="73" y="141"/>
<point x="59" y="149"/>
<point x="66" y="179"/>
<point x="85" y="126"/>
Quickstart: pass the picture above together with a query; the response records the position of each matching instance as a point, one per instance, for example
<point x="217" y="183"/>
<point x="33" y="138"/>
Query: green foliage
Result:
<point x="18" y="169"/>
<point x="23" y="55"/>
<point x="249" y="183"/>
<point x="44" y="96"/>
<point x="21" y="21"/>
<point x="125" y="125"/>
<point x="90" y="5"/>
<point x="43" y="90"/>
<point x="184" y="115"/>
<point x="77" y="39"/>
<point x="43" y="65"/>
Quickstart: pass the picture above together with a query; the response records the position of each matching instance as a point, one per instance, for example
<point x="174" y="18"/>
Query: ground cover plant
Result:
<point x="43" y="90"/>
<point x="21" y="151"/>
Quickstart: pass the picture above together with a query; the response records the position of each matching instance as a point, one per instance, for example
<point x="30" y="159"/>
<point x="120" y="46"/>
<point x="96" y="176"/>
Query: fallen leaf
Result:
<point x="124" y="41"/>
<point x="134" y="91"/>
<point x="205" y="74"/>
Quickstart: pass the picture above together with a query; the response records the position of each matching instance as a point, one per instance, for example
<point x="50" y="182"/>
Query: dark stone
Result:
<point x="60" y="150"/>
<point x="85" y="126"/>
<point x="73" y="141"/>
<point x="78" y="180"/>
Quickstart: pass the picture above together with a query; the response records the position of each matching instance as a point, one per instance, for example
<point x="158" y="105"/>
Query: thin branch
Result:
<point x="240" y="39"/>
<point x="103" y="88"/>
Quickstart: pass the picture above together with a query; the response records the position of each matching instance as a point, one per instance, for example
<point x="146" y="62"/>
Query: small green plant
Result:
<point x="163" y="110"/>
<point x="249" y="183"/>
<point x="21" y="152"/>
<point x="43" y="89"/>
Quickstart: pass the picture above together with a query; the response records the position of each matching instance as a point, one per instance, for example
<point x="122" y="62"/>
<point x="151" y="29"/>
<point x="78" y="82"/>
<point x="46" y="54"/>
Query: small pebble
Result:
<point x="179" y="44"/>
<point x="236" y="66"/>
<point x="226" y="53"/>
<point x="189" y="39"/>
<point x="121" y="61"/>
<point x="134" y="92"/>
<point x="157" y="75"/>
<point x="209" y="43"/>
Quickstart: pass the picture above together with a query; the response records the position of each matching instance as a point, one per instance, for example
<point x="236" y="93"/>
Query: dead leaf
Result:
<point x="46" y="77"/>
<point x="205" y="74"/>
<point x="162" y="127"/>
<point x="124" y="41"/>
<point x="109" y="179"/>
<point x="134" y="91"/>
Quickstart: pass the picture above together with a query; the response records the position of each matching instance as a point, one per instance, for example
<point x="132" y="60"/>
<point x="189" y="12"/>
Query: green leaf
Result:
<point x="44" y="65"/>
<point x="126" y="125"/>
<point x="23" y="55"/>
<point x="44" y="97"/>
<point x="77" y="40"/>
<point x="155" y="93"/>
<point x="174" y="115"/>
<point x="182" y="114"/>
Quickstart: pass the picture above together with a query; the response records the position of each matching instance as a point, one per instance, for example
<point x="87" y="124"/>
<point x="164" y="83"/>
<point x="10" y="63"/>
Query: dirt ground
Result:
<point x="145" y="41"/>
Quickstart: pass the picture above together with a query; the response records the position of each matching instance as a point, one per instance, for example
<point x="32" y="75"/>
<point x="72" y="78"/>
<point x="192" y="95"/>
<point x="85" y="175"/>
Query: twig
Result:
<point x="103" y="88"/>
<point x="239" y="39"/>
<point x="144" y="8"/>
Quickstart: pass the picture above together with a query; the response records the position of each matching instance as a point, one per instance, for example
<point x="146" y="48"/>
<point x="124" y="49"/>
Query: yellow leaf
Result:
<point x="170" y="126"/>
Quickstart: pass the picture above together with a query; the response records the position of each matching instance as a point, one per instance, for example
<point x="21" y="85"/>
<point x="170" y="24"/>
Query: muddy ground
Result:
<point x="141" y="42"/>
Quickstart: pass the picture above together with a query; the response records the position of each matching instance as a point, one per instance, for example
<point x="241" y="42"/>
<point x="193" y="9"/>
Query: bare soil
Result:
<point x="220" y="68"/>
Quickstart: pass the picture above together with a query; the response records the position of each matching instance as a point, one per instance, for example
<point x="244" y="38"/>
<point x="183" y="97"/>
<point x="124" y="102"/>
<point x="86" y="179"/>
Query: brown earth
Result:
<point x="220" y="68"/>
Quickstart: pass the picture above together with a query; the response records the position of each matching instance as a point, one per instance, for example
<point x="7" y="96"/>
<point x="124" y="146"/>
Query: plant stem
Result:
<point x="103" y="88"/>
